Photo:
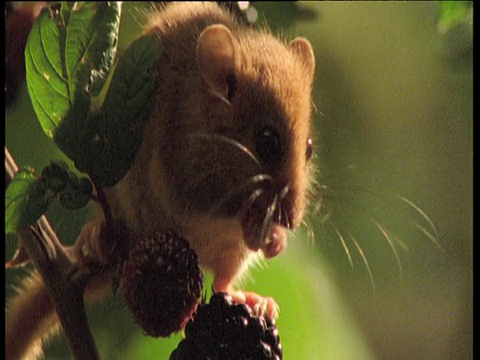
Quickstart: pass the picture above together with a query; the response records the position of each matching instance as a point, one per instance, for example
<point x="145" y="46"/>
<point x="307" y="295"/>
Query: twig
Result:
<point x="56" y="268"/>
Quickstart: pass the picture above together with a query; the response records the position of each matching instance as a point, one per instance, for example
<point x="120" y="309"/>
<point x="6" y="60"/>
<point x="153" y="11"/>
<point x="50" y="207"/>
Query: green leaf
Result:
<point x="74" y="191"/>
<point x="452" y="13"/>
<point x="68" y="55"/>
<point x="26" y="199"/>
<point x="71" y="50"/>
<point x="56" y="176"/>
<point x="46" y="81"/>
<point x="112" y="136"/>
<point x="77" y="194"/>
<point x="91" y="42"/>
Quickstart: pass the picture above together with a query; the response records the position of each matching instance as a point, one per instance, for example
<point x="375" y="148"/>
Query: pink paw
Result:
<point x="259" y="304"/>
<point x="90" y="244"/>
<point x="277" y="242"/>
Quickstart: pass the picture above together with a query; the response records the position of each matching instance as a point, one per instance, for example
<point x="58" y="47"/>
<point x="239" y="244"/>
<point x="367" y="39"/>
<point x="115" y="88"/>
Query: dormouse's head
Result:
<point x="249" y="149"/>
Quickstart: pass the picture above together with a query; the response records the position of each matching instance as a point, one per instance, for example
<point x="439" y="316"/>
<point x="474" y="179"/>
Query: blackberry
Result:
<point x="162" y="283"/>
<point x="223" y="329"/>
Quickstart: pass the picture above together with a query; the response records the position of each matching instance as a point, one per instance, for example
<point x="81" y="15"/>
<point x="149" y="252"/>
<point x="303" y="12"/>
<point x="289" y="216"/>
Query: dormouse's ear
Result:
<point x="302" y="48"/>
<point x="218" y="58"/>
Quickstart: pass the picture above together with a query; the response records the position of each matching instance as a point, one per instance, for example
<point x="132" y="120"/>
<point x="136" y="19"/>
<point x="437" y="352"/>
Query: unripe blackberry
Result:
<point x="162" y="283"/>
<point x="226" y="330"/>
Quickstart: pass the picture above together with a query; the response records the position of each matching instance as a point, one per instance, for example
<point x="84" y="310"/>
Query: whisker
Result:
<point x="365" y="262"/>
<point x="200" y="175"/>
<point x="324" y="219"/>
<point x="344" y="244"/>
<point x="401" y="243"/>
<point x="283" y="193"/>
<point x="309" y="232"/>
<point x="426" y="218"/>
<point x="429" y="235"/>
<point x="282" y="210"/>
<point x="282" y="214"/>
<point x="251" y="199"/>
<point x="238" y="190"/>
<point x="383" y="197"/>
<point x="319" y="204"/>
<point x="261" y="263"/>
<point x="386" y="235"/>
<point x="267" y="220"/>
<point x="229" y="141"/>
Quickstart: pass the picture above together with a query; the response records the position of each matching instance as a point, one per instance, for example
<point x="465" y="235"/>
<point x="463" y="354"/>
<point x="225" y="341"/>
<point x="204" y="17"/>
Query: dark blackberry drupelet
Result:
<point x="226" y="330"/>
<point x="162" y="283"/>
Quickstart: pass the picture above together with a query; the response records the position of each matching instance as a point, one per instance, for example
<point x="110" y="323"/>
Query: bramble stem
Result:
<point x="56" y="268"/>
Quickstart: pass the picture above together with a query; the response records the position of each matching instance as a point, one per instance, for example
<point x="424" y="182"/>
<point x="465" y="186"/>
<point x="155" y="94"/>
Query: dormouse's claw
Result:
<point x="259" y="304"/>
<point x="89" y="244"/>
<point x="21" y="258"/>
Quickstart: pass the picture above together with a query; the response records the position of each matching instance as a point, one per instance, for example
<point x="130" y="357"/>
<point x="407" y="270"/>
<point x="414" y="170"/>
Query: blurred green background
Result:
<point x="394" y="96"/>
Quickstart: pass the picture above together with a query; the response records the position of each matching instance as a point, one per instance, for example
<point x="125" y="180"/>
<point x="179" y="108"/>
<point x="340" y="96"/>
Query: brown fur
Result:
<point x="181" y="173"/>
<point x="26" y="325"/>
<point x="164" y="187"/>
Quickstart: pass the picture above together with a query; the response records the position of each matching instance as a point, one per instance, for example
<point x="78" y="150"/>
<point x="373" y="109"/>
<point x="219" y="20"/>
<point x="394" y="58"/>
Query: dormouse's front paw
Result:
<point x="259" y="304"/>
<point x="91" y="243"/>
<point x="225" y="329"/>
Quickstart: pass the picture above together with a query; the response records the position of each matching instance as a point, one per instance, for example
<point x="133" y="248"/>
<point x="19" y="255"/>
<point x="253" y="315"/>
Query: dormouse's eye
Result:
<point x="309" y="152"/>
<point x="268" y="145"/>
